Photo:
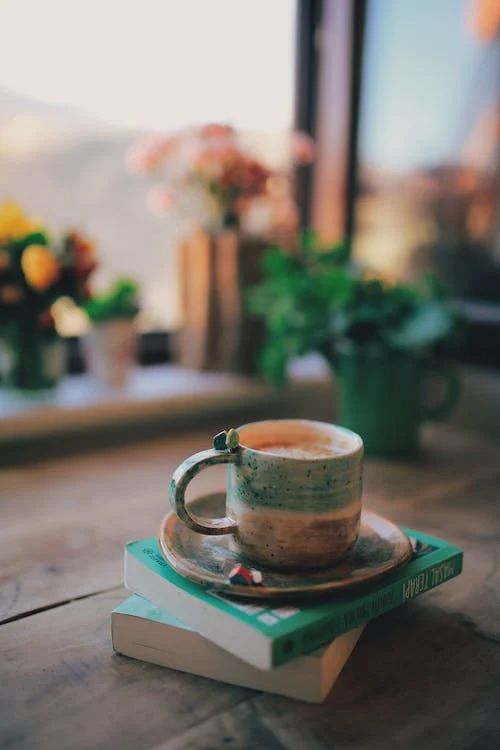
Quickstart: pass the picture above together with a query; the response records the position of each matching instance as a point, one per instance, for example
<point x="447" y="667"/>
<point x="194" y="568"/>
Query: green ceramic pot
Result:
<point x="29" y="359"/>
<point x="385" y="395"/>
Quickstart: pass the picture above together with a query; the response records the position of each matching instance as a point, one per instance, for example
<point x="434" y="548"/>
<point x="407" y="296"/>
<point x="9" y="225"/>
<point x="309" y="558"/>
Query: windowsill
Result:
<point x="162" y="398"/>
<point x="157" y="396"/>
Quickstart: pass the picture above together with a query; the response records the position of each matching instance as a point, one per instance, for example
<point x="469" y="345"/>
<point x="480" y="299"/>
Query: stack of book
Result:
<point x="296" y="649"/>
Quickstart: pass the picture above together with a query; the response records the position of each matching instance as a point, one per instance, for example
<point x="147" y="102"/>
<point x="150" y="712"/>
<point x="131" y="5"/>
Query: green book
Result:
<point x="268" y="634"/>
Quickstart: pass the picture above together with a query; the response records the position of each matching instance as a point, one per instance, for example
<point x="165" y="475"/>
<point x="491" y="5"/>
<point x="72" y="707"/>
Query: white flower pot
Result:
<point x="110" y="351"/>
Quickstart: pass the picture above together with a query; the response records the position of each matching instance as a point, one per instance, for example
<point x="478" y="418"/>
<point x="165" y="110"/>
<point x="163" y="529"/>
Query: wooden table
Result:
<point x="425" y="676"/>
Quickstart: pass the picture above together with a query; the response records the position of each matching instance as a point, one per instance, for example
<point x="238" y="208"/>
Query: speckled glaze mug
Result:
<point x="284" y="511"/>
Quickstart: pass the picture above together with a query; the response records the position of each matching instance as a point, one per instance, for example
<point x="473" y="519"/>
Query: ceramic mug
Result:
<point x="283" y="511"/>
<point x="385" y="396"/>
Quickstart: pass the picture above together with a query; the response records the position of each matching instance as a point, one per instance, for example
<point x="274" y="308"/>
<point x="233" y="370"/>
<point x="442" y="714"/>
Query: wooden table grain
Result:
<point x="426" y="675"/>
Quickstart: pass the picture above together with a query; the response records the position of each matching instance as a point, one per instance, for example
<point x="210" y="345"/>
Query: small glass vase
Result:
<point x="30" y="359"/>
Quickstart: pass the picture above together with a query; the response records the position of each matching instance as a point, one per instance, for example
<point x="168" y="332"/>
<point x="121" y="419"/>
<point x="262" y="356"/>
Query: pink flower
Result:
<point x="213" y="159"/>
<point x="302" y="147"/>
<point x="209" y="165"/>
<point x="216" y="130"/>
<point x="164" y="146"/>
<point x="140" y="158"/>
<point x="146" y="156"/>
<point x="242" y="204"/>
<point x="160" y="199"/>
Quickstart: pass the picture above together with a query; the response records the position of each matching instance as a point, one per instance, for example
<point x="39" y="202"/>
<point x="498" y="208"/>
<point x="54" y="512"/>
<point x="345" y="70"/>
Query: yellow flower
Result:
<point x="40" y="267"/>
<point x="14" y="223"/>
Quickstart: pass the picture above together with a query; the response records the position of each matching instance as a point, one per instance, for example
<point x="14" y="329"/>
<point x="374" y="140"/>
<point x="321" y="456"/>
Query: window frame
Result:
<point x="326" y="28"/>
<point x="330" y="36"/>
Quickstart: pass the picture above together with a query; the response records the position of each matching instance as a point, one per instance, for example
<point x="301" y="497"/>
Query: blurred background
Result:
<point x="98" y="75"/>
<point x="427" y="184"/>
<point x="395" y="109"/>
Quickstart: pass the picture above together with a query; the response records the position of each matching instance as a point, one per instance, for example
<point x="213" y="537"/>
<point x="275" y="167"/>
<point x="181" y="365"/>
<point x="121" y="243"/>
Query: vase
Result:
<point x="31" y="359"/>
<point x="218" y="333"/>
<point x="110" y="351"/>
<point x="384" y="396"/>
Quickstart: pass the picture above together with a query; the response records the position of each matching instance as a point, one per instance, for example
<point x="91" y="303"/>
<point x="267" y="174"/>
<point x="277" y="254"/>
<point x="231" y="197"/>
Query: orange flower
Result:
<point x="10" y="294"/>
<point x="4" y="260"/>
<point x="245" y="175"/>
<point x="40" y="267"/>
<point x="83" y="253"/>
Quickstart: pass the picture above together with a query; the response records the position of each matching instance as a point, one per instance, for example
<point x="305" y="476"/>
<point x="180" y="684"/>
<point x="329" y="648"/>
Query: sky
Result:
<point x="426" y="78"/>
<point x="154" y="64"/>
<point x="162" y="64"/>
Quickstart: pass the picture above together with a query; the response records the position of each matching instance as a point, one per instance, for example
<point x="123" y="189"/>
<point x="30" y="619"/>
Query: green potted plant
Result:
<point x="110" y="346"/>
<point x="385" y="341"/>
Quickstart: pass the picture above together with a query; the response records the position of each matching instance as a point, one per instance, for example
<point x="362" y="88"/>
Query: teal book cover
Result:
<point x="268" y="634"/>
<point x="137" y="606"/>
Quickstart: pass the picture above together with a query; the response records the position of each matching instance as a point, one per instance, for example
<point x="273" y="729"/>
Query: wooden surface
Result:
<point x="427" y="675"/>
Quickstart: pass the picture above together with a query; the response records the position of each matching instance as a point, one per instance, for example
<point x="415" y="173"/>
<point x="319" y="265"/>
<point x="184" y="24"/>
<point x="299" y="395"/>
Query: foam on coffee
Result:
<point x="299" y="439"/>
<point x="300" y="449"/>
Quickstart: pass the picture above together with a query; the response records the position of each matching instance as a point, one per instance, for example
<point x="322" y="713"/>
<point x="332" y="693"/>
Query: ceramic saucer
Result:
<point x="207" y="560"/>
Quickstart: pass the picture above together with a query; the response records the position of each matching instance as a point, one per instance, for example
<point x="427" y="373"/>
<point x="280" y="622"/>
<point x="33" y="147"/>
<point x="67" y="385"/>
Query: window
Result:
<point x="428" y="142"/>
<point x="90" y="76"/>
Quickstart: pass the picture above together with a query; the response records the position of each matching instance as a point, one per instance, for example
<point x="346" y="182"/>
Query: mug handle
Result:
<point x="448" y="372"/>
<point x="180" y="480"/>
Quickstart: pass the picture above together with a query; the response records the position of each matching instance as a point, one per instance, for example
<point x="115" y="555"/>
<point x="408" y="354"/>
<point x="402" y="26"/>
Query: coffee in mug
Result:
<point x="293" y="492"/>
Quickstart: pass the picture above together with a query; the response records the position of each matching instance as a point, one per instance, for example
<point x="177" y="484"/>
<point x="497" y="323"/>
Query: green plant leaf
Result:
<point x="120" y="301"/>
<point x="426" y="326"/>
<point x="313" y="300"/>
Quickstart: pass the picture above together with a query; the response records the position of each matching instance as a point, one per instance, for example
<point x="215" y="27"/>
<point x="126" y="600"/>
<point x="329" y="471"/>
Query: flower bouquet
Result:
<point x="36" y="271"/>
<point x="231" y="204"/>
<point x="211" y="177"/>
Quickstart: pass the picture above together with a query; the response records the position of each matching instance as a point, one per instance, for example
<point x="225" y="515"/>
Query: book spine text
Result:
<point x="365" y="608"/>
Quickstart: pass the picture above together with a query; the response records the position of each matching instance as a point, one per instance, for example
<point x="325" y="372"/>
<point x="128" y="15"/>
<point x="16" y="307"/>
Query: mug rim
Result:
<point x="356" y="451"/>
